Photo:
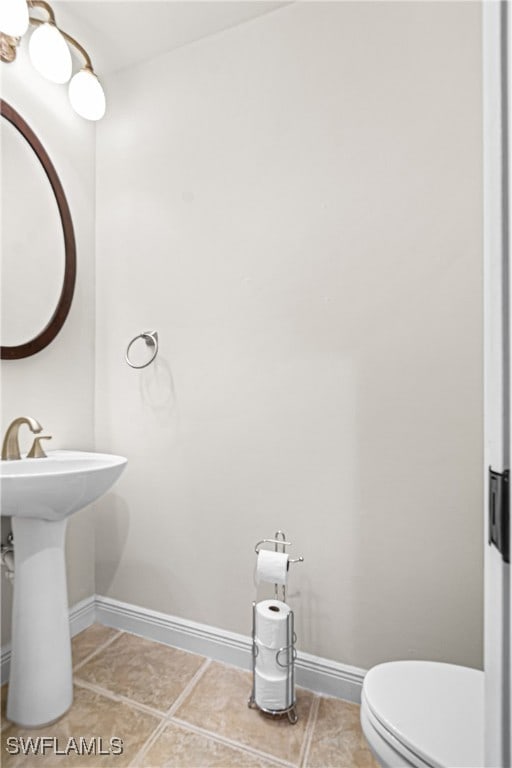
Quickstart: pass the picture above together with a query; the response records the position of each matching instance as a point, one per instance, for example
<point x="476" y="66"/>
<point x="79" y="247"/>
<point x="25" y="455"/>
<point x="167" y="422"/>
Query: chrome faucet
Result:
<point x="11" y="446"/>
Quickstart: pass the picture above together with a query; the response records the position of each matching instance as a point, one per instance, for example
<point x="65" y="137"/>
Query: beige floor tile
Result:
<point x="178" y="747"/>
<point x="91" y="716"/>
<point x="83" y="644"/>
<point x="218" y="703"/>
<point x="338" y="740"/>
<point x="143" y="671"/>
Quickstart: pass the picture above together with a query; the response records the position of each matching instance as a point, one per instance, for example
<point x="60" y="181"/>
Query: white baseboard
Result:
<point x="82" y="615"/>
<point x="191" y="636"/>
<point x="324" y="676"/>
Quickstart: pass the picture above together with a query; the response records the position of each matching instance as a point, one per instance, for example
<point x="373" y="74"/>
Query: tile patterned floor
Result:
<point x="173" y="709"/>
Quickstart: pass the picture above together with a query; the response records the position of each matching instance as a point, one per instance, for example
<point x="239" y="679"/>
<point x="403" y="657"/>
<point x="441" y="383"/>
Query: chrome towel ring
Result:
<point x="151" y="339"/>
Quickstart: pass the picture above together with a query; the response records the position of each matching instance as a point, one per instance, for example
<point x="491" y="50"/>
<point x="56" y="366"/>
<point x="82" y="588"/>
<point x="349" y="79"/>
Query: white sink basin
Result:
<point x="39" y="495"/>
<point x="55" y="487"/>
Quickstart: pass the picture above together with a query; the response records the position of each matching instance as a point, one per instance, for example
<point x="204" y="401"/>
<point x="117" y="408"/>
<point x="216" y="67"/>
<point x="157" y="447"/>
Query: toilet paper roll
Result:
<point x="271" y="623"/>
<point x="269" y="663"/>
<point x="272" y="567"/>
<point x="271" y="693"/>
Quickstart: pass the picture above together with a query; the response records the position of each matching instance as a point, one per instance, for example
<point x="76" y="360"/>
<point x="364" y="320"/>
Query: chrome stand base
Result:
<point x="290" y="711"/>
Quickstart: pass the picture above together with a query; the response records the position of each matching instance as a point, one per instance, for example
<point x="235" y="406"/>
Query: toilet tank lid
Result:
<point x="435" y="709"/>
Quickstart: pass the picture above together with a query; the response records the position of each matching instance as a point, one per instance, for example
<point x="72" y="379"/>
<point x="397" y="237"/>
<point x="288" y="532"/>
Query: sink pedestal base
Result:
<point x="41" y="681"/>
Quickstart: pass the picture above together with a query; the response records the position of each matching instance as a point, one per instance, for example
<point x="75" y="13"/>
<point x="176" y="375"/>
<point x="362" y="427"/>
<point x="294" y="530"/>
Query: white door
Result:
<point x="497" y="84"/>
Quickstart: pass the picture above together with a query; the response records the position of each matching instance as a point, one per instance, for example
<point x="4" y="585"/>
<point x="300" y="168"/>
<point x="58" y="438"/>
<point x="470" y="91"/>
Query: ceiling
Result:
<point x="121" y="33"/>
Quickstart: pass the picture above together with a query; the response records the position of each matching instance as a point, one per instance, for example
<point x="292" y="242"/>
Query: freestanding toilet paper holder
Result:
<point x="285" y="656"/>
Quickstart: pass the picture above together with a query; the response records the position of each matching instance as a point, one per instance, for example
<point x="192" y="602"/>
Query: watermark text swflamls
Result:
<point x="41" y="745"/>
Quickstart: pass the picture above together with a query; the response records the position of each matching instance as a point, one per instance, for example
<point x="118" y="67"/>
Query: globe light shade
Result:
<point x="86" y="95"/>
<point x="49" y="53"/>
<point x="13" y="17"/>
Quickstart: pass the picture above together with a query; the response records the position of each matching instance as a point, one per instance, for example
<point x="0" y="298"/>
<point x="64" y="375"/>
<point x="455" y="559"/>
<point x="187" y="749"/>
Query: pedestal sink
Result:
<point x="39" y="495"/>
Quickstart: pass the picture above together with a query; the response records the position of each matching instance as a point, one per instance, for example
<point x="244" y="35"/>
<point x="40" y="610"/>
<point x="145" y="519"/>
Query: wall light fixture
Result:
<point x="14" y="17"/>
<point x="50" y="54"/>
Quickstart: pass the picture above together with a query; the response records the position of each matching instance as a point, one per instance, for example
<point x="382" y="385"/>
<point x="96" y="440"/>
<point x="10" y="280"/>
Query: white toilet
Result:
<point x="424" y="714"/>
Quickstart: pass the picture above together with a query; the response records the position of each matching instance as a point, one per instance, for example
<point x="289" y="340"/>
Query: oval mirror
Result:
<point x="38" y="252"/>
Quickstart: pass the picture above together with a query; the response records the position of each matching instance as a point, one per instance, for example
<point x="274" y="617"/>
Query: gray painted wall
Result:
<point x="295" y="205"/>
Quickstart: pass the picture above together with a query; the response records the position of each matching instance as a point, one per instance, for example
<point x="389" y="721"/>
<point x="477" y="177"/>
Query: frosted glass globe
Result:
<point x="49" y="53"/>
<point x="13" y="17"/>
<point x="86" y="95"/>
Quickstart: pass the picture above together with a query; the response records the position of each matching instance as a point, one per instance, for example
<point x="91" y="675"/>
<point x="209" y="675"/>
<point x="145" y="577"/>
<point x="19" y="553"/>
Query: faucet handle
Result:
<point x="36" y="452"/>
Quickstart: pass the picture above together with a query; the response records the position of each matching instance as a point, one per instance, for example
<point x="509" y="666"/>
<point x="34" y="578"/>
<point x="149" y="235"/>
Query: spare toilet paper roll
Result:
<point x="270" y="662"/>
<point x="272" y="566"/>
<point x="271" y="624"/>
<point x="271" y="693"/>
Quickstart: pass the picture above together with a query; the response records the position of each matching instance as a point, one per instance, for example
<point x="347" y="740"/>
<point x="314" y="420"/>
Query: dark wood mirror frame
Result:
<point x="56" y="321"/>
